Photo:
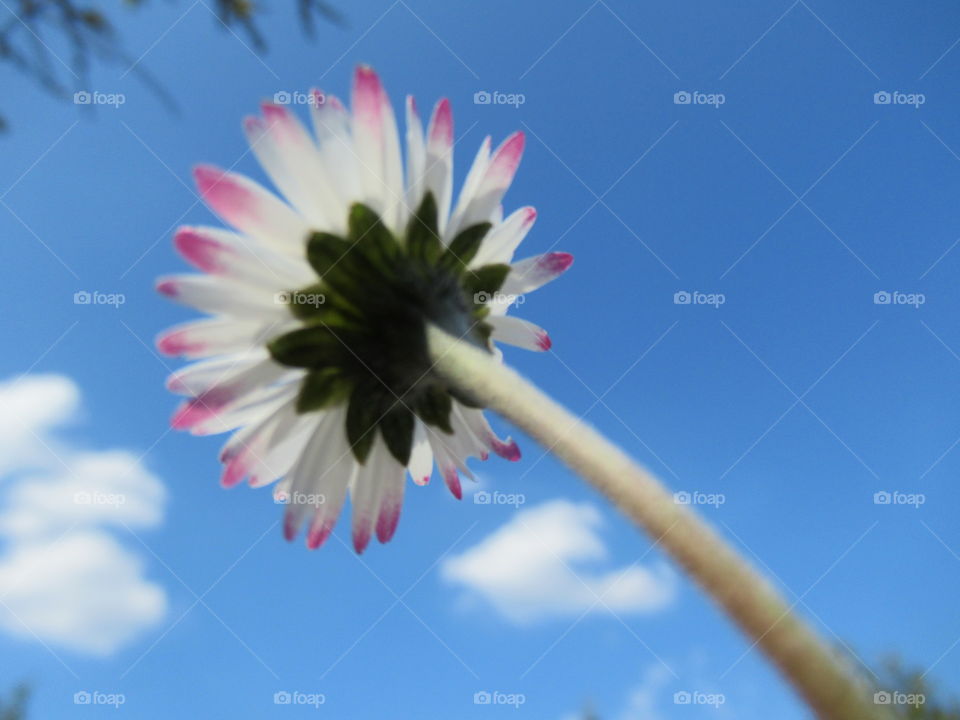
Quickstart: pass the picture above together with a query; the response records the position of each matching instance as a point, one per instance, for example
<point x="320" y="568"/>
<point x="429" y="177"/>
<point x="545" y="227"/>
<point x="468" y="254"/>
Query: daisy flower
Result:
<point x="315" y="354"/>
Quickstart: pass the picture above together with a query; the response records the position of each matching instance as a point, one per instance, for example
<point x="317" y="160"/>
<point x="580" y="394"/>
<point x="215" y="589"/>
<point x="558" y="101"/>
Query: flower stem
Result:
<point x="823" y="678"/>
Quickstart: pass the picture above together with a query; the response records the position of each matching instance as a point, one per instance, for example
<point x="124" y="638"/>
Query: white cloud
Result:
<point x="100" y="488"/>
<point x="645" y="699"/>
<point x="544" y="563"/>
<point x="30" y="408"/>
<point x="85" y="592"/>
<point x="65" y="578"/>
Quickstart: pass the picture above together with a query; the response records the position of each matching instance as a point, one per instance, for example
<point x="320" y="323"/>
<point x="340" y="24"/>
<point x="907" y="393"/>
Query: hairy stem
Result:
<point x="824" y="679"/>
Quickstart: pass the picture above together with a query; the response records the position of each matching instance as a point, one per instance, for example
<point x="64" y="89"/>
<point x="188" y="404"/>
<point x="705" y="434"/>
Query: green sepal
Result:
<point x="464" y="246"/>
<point x="434" y="408"/>
<point x="363" y="413"/>
<point x="321" y="389"/>
<point x="484" y="330"/>
<point x="308" y="347"/>
<point x="367" y="231"/>
<point x="397" y="429"/>
<point x="308" y="302"/>
<point x="423" y="233"/>
<point x="326" y="251"/>
<point x="484" y="281"/>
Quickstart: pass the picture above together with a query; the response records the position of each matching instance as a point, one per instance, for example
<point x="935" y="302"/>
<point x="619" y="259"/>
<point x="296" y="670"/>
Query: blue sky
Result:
<point x="797" y="200"/>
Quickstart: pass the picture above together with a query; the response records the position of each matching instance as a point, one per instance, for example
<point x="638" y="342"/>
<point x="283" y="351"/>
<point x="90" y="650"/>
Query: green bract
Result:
<point x="363" y="338"/>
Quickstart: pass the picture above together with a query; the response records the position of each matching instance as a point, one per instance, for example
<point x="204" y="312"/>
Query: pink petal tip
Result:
<point x="441" y="125"/>
<point x="168" y="288"/>
<point x="201" y="251"/>
<point x="452" y="478"/>
<point x="556" y="262"/>
<point x="361" y="538"/>
<point x="290" y="525"/>
<point x="177" y="343"/>
<point x="318" y="536"/>
<point x="508" y="450"/>
<point x="387" y="523"/>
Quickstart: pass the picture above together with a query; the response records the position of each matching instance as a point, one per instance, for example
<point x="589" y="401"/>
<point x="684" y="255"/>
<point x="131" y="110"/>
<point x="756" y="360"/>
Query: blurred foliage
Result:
<point x="913" y="684"/>
<point x="15" y="707"/>
<point x="905" y="691"/>
<point x="56" y="42"/>
<point x="243" y="13"/>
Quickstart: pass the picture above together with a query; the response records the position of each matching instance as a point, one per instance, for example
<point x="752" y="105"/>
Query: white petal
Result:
<point x="479" y="203"/>
<point x="535" y="272"/>
<point x="421" y="456"/>
<point x="214" y="336"/>
<point x="366" y="491"/>
<point x="303" y="475"/>
<point x="199" y="377"/>
<point x="416" y="156"/>
<point x="502" y="241"/>
<point x="221" y="296"/>
<point x="480" y="428"/>
<point x="252" y="209"/>
<point x="438" y="177"/>
<point x="519" y="332"/>
<point x="377" y="146"/>
<point x="331" y="123"/>
<point x="221" y="252"/>
<point x="474" y="177"/>
<point x="288" y="154"/>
